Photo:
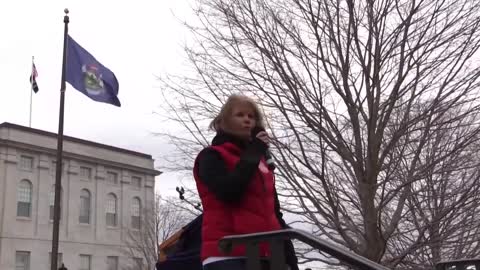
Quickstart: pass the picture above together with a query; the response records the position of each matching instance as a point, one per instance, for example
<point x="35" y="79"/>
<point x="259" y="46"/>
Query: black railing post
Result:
<point x="253" y="257"/>
<point x="277" y="256"/>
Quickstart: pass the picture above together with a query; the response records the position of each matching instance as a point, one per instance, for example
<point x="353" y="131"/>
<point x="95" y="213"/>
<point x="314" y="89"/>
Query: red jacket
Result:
<point x="254" y="212"/>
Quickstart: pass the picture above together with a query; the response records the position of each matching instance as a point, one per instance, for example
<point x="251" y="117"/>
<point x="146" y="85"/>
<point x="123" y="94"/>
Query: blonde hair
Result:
<point x="220" y="122"/>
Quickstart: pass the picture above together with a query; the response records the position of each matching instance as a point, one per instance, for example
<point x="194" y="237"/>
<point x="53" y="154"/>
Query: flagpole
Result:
<point x="58" y="173"/>
<point x="31" y="93"/>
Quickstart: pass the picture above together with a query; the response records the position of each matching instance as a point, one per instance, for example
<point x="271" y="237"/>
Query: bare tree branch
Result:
<point x="373" y="107"/>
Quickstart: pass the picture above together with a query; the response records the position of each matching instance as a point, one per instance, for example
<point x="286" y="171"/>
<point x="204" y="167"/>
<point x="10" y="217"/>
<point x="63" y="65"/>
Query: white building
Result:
<point x="104" y="189"/>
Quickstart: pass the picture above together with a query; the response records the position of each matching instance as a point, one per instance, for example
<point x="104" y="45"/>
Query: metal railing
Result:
<point x="277" y="257"/>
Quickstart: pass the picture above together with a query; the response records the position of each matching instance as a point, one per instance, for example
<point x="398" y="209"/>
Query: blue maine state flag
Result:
<point x="89" y="76"/>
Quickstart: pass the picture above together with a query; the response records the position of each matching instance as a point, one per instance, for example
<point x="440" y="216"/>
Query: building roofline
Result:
<point x="73" y="139"/>
<point x="71" y="155"/>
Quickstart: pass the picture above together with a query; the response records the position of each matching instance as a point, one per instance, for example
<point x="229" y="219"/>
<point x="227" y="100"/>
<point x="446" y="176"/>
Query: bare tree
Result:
<point x="373" y="107"/>
<point x="157" y="224"/>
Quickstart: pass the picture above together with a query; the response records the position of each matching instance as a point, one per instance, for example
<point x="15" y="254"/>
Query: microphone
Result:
<point x="268" y="155"/>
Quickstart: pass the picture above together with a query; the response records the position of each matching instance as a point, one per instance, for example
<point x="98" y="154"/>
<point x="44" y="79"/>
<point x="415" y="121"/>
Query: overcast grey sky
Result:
<point x="137" y="40"/>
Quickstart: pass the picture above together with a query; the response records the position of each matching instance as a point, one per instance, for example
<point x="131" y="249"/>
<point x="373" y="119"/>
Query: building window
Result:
<point x="59" y="260"/>
<point x="112" y="263"/>
<point x="112" y="177"/>
<point x="85" y="207"/>
<point x="137" y="181"/>
<point x="111" y="210"/>
<point x="136" y="206"/>
<point x="85" y="262"/>
<point x="85" y="172"/>
<point x="22" y="260"/>
<point x="52" y="202"/>
<point x="26" y="163"/>
<point x="24" y="199"/>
